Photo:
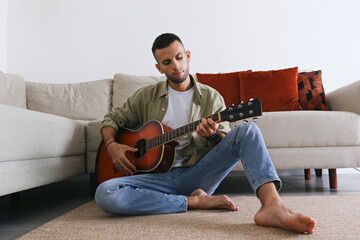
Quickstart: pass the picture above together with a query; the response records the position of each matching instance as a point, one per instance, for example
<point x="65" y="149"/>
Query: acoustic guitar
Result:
<point x="156" y="142"/>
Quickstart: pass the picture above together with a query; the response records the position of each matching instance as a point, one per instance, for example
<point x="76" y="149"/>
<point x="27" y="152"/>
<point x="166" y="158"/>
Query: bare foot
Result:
<point x="277" y="214"/>
<point x="200" y="200"/>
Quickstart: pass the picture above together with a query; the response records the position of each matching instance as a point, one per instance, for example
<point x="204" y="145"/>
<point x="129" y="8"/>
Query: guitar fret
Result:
<point x="230" y="114"/>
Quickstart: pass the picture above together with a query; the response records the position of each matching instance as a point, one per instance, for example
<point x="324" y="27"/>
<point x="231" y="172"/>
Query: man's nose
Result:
<point x="176" y="65"/>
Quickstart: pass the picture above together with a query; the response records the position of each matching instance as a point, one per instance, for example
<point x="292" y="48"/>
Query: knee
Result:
<point x="249" y="130"/>
<point x="102" y="196"/>
<point x="108" y="197"/>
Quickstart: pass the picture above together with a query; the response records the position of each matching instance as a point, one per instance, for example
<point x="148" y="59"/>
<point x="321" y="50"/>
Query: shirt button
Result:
<point x="163" y="109"/>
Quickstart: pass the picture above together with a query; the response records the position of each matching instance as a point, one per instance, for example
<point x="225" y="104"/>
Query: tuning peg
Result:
<point x="251" y="99"/>
<point x="245" y="121"/>
<point x="254" y="119"/>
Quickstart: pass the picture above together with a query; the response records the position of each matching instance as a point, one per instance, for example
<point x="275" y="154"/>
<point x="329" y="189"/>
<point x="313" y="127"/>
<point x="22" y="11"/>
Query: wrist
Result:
<point x="107" y="145"/>
<point x="213" y="137"/>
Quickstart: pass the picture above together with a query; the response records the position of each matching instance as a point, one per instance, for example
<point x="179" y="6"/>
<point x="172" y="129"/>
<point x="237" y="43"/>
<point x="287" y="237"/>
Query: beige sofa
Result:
<point x="50" y="132"/>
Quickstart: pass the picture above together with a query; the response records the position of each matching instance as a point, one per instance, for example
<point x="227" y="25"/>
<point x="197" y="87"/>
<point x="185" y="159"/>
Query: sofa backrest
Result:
<point x="12" y="90"/>
<point x="125" y="85"/>
<point x="79" y="101"/>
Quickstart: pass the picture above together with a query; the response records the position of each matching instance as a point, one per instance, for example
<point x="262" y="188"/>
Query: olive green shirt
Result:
<point x="151" y="103"/>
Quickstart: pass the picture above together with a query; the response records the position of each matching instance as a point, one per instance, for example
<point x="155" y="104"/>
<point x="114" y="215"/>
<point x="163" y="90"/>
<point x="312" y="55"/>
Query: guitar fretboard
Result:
<point x="176" y="133"/>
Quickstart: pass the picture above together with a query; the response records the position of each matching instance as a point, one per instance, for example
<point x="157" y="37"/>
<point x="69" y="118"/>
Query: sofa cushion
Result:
<point x="290" y="129"/>
<point x="277" y="89"/>
<point x="29" y="173"/>
<point x="35" y="135"/>
<point x="82" y="101"/>
<point x="227" y="84"/>
<point x="12" y="90"/>
<point x="125" y="85"/>
<point x="93" y="140"/>
<point x="311" y="91"/>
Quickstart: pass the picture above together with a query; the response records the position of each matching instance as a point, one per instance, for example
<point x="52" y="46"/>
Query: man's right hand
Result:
<point x="119" y="160"/>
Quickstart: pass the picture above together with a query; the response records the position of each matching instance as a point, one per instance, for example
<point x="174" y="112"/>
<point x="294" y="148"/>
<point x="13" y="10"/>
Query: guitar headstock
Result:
<point x="242" y="111"/>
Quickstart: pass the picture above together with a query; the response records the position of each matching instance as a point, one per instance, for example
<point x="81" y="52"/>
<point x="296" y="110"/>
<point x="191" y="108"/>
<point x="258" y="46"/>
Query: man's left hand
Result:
<point x="207" y="127"/>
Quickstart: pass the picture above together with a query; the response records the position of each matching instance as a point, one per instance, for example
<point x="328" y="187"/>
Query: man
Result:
<point x="203" y="158"/>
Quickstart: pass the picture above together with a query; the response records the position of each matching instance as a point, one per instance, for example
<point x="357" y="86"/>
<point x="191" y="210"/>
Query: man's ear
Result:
<point x="158" y="68"/>
<point x="188" y="55"/>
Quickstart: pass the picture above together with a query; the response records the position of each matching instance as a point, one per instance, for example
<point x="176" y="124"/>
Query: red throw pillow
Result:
<point x="311" y="91"/>
<point x="277" y="89"/>
<point x="227" y="84"/>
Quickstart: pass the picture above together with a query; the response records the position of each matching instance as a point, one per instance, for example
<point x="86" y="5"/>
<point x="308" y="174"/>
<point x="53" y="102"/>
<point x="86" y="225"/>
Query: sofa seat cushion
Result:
<point x="34" y="135"/>
<point x="310" y="129"/>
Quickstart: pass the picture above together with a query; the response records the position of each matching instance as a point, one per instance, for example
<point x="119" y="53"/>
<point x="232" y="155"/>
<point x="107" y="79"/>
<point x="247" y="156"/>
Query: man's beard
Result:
<point x="181" y="80"/>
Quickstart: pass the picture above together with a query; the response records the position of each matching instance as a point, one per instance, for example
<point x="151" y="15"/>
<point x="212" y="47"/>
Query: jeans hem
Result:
<point x="277" y="182"/>
<point x="185" y="206"/>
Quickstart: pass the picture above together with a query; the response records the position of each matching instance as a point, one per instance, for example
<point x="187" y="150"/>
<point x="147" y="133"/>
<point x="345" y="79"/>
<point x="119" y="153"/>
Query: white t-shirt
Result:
<point x="178" y="115"/>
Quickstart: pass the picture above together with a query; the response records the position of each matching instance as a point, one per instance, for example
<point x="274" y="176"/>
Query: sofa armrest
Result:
<point x="346" y="98"/>
<point x="93" y="140"/>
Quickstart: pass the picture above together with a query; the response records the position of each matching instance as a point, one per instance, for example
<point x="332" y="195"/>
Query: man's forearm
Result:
<point x="108" y="134"/>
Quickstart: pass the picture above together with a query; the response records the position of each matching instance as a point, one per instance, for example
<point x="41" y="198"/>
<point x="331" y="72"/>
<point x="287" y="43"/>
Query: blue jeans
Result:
<point x="159" y="193"/>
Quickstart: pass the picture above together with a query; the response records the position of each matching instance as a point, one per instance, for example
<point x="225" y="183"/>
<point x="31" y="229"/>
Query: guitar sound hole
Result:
<point x="141" y="145"/>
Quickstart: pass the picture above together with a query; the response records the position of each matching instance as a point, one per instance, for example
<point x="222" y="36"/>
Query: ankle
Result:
<point x="192" y="202"/>
<point x="268" y="194"/>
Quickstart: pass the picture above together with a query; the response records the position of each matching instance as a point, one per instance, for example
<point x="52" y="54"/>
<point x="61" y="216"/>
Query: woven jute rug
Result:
<point x="337" y="217"/>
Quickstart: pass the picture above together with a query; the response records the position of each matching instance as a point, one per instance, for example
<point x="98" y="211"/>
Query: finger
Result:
<point x="201" y="130"/>
<point x="205" y="125"/>
<point x="213" y="127"/>
<point x="125" y="170"/>
<point x="212" y="124"/>
<point x="131" y="149"/>
<point x="210" y="127"/>
<point x="129" y="165"/>
<point x="120" y="166"/>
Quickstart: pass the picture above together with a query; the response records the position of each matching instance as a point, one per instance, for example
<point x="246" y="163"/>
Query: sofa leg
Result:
<point x="333" y="178"/>
<point x="92" y="184"/>
<point x="318" y="172"/>
<point x="307" y="173"/>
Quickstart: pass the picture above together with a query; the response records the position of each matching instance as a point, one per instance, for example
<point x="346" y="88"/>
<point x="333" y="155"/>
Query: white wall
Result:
<point x="3" y="35"/>
<point x="62" y="41"/>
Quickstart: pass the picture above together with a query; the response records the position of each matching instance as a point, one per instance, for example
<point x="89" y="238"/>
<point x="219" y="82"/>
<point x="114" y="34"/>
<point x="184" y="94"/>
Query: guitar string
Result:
<point x="173" y="134"/>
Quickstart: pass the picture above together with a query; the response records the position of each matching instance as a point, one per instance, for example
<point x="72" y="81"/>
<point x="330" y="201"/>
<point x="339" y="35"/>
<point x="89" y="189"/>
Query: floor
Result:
<point x="37" y="206"/>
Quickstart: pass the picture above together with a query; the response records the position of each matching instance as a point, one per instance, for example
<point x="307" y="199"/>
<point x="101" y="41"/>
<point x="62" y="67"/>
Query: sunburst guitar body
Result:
<point x="156" y="142"/>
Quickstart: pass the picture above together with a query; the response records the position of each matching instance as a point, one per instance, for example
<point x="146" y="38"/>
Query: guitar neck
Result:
<point x="231" y="114"/>
<point x="177" y="133"/>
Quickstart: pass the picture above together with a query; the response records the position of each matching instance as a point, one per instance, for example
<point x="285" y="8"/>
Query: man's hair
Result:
<point x="163" y="41"/>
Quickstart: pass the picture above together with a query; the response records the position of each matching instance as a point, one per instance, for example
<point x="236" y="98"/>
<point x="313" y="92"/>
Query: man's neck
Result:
<point x="182" y="87"/>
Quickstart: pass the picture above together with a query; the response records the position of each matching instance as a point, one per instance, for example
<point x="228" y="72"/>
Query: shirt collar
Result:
<point x="197" y="93"/>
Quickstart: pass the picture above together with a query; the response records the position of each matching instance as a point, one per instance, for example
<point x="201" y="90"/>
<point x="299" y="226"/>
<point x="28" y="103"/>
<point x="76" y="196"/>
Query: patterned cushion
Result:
<point x="311" y="91"/>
